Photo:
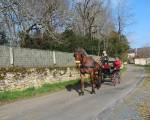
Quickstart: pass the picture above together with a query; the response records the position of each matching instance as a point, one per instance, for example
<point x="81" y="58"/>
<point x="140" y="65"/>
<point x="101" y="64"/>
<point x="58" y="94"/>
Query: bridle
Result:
<point x="79" y="62"/>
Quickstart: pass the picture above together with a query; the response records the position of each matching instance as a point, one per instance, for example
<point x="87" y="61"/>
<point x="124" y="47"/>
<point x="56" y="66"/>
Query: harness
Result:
<point x="83" y="66"/>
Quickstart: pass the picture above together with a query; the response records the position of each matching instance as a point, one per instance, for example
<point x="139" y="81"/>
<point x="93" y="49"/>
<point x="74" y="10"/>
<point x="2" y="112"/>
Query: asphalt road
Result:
<point x="68" y="105"/>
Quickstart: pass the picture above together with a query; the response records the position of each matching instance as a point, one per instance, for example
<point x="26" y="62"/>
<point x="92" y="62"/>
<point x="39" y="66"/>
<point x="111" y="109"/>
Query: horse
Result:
<point x="87" y="65"/>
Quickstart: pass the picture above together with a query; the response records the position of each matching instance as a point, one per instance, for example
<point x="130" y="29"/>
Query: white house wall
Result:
<point x="140" y="61"/>
<point x="148" y="61"/>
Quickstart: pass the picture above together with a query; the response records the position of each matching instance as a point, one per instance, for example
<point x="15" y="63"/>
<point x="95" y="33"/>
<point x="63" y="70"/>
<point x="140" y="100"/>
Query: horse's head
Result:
<point x="78" y="55"/>
<point x="78" y="58"/>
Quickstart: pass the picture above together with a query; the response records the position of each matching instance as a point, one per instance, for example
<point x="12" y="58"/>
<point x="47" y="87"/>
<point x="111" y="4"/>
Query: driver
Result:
<point x="104" y="57"/>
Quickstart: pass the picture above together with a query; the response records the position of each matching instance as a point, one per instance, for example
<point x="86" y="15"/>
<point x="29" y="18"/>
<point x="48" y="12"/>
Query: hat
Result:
<point x="104" y="52"/>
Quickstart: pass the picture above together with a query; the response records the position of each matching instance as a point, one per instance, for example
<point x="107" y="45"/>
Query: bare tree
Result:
<point x="9" y="19"/>
<point x="50" y="16"/>
<point x="124" y="16"/>
<point x="25" y="15"/>
<point x="87" y="12"/>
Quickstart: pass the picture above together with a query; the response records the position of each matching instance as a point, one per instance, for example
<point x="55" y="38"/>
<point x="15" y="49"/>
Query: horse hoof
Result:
<point x="81" y="93"/>
<point x="102" y="81"/>
<point x="93" y="92"/>
<point x="98" y="86"/>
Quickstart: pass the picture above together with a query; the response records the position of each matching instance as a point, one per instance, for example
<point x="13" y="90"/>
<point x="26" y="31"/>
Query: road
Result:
<point x="68" y="105"/>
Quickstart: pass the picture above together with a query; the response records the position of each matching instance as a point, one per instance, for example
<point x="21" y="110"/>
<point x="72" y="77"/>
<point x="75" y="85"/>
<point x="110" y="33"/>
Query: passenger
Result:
<point x="117" y="65"/>
<point x="106" y="68"/>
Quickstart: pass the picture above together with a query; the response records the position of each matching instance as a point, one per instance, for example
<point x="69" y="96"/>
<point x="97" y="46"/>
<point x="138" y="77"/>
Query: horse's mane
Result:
<point x="82" y="51"/>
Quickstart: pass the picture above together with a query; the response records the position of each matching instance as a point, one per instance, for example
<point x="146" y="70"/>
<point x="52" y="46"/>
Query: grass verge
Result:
<point x="10" y="96"/>
<point x="123" y="69"/>
<point x="144" y="106"/>
<point x="147" y="68"/>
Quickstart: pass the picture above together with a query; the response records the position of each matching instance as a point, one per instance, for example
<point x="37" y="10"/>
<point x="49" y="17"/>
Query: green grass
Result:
<point x="9" y="96"/>
<point x="147" y="68"/>
<point x="143" y="107"/>
<point x="124" y="69"/>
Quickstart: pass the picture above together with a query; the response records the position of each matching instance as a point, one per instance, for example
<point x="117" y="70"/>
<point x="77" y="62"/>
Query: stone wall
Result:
<point x="22" y="78"/>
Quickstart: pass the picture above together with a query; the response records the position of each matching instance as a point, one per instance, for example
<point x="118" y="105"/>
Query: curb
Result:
<point x="110" y="106"/>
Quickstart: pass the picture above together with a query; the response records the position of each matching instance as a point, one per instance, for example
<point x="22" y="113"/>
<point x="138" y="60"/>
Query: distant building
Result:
<point x="142" y="56"/>
<point x="131" y="56"/>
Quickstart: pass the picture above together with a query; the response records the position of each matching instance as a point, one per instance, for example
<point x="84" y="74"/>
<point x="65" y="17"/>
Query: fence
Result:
<point x="34" y="58"/>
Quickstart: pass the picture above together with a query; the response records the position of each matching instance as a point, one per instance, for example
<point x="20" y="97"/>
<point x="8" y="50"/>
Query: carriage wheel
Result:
<point x="114" y="79"/>
<point x="118" y="78"/>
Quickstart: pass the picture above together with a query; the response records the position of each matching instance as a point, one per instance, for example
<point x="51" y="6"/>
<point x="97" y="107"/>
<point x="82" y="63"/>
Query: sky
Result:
<point x="141" y="29"/>
<point x="139" y="32"/>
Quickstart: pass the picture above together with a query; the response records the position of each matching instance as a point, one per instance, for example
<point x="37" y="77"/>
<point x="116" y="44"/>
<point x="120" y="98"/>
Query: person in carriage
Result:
<point x="117" y="64"/>
<point x="105" y="63"/>
<point x="104" y="57"/>
<point x="116" y="72"/>
<point x="106" y="68"/>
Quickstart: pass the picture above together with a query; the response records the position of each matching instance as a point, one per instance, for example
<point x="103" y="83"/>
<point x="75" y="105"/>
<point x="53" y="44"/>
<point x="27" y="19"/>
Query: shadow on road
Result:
<point x="76" y="87"/>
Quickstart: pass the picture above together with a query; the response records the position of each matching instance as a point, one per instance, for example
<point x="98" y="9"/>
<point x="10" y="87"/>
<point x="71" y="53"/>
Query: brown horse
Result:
<point x="87" y="65"/>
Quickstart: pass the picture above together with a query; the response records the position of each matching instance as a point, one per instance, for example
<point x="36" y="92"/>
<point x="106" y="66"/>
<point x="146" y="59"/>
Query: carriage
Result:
<point x="87" y="65"/>
<point x="110" y="75"/>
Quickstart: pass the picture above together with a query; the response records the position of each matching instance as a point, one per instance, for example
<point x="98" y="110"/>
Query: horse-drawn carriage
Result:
<point x="110" y="74"/>
<point x="87" y="65"/>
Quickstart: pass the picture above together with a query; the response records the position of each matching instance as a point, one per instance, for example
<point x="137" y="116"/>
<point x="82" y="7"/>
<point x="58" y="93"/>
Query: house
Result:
<point x="131" y="56"/>
<point x="142" y="56"/>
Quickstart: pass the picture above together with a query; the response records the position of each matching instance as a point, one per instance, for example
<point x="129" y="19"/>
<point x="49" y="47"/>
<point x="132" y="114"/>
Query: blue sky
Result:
<point x="140" y="30"/>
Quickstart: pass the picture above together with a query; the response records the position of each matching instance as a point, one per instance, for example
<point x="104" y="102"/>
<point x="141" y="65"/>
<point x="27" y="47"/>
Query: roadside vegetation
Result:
<point x="144" y="106"/>
<point x="147" y="68"/>
<point x="10" y="96"/>
<point x="123" y="69"/>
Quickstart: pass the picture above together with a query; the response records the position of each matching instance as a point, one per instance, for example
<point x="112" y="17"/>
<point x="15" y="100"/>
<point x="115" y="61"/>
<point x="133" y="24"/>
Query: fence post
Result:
<point x="54" y="57"/>
<point x="11" y="53"/>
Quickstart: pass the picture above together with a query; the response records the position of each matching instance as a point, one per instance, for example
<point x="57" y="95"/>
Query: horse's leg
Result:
<point x="96" y="79"/>
<point x="82" y="84"/>
<point x="99" y="79"/>
<point x="92" y="82"/>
